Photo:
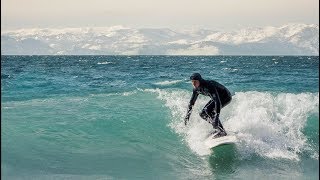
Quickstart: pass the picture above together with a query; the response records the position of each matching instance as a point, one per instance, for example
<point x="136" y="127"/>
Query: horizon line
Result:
<point x="147" y="27"/>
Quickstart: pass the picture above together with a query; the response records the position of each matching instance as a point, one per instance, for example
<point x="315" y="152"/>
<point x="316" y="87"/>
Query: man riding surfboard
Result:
<point x="220" y="97"/>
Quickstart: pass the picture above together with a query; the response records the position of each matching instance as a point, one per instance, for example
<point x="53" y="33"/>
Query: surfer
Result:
<point x="220" y="97"/>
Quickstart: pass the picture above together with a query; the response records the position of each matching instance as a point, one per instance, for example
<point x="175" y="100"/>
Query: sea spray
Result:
<point x="269" y="125"/>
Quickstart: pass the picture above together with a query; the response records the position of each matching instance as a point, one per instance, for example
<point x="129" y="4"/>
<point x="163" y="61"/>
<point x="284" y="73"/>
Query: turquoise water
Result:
<point x="121" y="117"/>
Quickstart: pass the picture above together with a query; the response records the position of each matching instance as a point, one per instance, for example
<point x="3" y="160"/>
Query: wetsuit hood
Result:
<point x="196" y="76"/>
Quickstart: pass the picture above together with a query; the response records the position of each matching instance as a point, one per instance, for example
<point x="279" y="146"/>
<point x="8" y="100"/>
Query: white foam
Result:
<point x="106" y="62"/>
<point x="168" y="82"/>
<point x="266" y="124"/>
<point x="129" y="93"/>
<point x="231" y="69"/>
<point x="195" y="133"/>
<point x="272" y="124"/>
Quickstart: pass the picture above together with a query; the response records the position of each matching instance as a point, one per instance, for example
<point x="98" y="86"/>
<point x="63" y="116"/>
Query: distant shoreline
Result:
<point x="286" y="40"/>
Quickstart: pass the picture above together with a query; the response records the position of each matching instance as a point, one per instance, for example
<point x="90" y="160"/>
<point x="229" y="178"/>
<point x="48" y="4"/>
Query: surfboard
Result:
<point x="214" y="142"/>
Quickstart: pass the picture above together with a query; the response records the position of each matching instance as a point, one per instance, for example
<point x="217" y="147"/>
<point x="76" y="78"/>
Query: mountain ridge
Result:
<point x="288" y="39"/>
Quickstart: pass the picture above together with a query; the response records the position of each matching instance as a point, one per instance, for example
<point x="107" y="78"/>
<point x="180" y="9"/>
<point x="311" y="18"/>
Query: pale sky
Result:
<point x="212" y="14"/>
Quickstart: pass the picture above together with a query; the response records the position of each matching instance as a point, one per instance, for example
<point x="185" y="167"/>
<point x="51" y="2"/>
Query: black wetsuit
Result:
<point x="220" y="97"/>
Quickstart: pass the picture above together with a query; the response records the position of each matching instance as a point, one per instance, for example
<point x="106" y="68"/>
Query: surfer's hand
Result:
<point x="186" y="119"/>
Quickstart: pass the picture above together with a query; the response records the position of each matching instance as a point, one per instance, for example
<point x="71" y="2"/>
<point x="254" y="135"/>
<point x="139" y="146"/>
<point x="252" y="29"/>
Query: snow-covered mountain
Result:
<point x="290" y="39"/>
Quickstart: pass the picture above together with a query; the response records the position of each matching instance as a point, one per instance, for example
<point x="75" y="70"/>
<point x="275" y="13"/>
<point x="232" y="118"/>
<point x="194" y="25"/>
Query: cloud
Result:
<point x="226" y="14"/>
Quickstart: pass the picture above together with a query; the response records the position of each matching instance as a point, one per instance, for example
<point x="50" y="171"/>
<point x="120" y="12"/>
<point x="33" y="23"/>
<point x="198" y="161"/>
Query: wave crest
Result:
<point x="266" y="124"/>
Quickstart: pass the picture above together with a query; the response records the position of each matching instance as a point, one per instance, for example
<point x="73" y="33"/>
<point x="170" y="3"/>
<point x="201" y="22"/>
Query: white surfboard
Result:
<point x="214" y="142"/>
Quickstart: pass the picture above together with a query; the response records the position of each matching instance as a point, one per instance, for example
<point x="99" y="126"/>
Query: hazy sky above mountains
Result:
<point x="213" y="14"/>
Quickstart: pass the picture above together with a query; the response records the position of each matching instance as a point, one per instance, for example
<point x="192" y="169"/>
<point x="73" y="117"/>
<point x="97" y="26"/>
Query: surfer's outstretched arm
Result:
<point x="191" y="103"/>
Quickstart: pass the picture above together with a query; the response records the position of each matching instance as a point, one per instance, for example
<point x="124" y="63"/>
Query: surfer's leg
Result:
<point x="206" y="112"/>
<point x="225" y="101"/>
<point x="220" y="126"/>
<point x="215" y="115"/>
<point x="216" y="120"/>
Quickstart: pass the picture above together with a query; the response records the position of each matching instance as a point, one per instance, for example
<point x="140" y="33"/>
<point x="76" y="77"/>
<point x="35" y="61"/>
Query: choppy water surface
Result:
<point x="121" y="117"/>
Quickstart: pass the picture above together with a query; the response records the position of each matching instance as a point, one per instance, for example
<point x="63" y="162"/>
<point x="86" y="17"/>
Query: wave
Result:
<point x="106" y="62"/>
<point x="231" y="69"/>
<point x="163" y="83"/>
<point x="270" y="125"/>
